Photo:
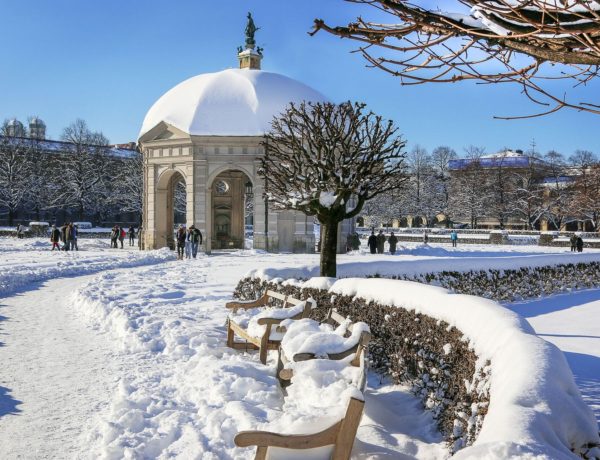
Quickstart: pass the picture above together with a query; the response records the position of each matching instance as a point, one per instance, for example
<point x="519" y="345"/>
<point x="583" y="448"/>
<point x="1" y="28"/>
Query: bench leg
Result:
<point x="229" y="335"/>
<point x="348" y="429"/>
<point x="261" y="453"/>
<point x="264" y="345"/>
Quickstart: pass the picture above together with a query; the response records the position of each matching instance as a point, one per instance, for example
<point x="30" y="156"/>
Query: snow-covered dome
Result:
<point x="233" y="102"/>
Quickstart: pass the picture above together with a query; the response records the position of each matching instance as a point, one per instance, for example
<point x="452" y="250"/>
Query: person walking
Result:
<point x="188" y="243"/>
<point x="372" y="242"/>
<point x="573" y="242"/>
<point x="393" y="240"/>
<point x="55" y="237"/>
<point x="195" y="239"/>
<point x="20" y="231"/>
<point x="454" y="238"/>
<point x="122" y="235"/>
<point x="114" y="236"/>
<point x="355" y="241"/>
<point x="579" y="244"/>
<point x="131" y="233"/>
<point x="64" y="234"/>
<point x="180" y="237"/>
<point x="380" y="242"/>
<point x="425" y="237"/>
<point x="73" y="230"/>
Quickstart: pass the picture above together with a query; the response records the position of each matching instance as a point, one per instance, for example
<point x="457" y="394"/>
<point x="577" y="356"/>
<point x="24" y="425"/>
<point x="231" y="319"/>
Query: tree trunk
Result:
<point x="329" y="248"/>
<point x="11" y="216"/>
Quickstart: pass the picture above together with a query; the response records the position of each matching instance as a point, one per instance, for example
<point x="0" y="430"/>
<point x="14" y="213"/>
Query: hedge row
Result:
<point x="512" y="285"/>
<point x="428" y="354"/>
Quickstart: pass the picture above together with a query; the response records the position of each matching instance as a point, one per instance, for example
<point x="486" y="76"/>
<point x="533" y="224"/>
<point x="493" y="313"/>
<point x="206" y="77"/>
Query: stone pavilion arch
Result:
<point x="161" y="220"/>
<point x="230" y="190"/>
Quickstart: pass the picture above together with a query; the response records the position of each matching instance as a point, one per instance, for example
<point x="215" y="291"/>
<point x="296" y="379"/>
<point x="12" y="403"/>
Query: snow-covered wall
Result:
<point x="535" y="408"/>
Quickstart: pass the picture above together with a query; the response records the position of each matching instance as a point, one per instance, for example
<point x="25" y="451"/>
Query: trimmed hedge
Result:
<point x="428" y="354"/>
<point x="512" y="285"/>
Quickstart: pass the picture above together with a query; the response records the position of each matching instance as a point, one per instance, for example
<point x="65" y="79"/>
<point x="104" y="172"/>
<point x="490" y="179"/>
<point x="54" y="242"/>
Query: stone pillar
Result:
<point x="202" y="207"/>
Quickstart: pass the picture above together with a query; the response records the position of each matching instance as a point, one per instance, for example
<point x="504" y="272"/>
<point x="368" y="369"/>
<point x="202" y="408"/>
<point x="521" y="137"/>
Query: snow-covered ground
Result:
<point x="131" y="362"/>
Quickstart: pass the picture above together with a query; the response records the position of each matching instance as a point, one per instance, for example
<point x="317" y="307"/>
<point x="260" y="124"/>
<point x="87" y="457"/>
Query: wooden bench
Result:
<point x="265" y="342"/>
<point x="340" y="435"/>
<point x="334" y="319"/>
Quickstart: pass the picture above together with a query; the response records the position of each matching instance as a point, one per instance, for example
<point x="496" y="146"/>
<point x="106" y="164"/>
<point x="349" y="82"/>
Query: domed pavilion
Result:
<point x="204" y="135"/>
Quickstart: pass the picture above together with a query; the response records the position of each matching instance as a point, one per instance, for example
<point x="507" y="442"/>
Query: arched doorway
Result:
<point x="231" y="209"/>
<point x="170" y="207"/>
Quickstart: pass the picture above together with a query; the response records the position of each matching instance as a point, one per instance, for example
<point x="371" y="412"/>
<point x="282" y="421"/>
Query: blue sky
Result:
<point x="108" y="61"/>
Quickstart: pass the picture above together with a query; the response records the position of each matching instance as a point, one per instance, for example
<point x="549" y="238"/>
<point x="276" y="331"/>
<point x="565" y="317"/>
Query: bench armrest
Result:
<point x="247" y="304"/>
<point x="288" y="441"/>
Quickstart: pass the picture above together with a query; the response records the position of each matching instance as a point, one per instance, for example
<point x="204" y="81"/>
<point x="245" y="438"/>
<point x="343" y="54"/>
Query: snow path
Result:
<point x="56" y="373"/>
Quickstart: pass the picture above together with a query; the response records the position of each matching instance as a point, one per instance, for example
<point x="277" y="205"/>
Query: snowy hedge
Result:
<point x="517" y="284"/>
<point x="490" y="382"/>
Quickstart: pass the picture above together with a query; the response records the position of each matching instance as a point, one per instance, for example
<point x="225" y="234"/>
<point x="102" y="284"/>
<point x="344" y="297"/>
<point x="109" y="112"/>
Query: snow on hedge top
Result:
<point x="535" y="407"/>
<point x="233" y="102"/>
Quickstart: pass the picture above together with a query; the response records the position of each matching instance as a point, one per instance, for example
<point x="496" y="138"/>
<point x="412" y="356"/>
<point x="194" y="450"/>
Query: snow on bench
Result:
<point x="335" y="338"/>
<point x="254" y="321"/>
<point x="322" y="412"/>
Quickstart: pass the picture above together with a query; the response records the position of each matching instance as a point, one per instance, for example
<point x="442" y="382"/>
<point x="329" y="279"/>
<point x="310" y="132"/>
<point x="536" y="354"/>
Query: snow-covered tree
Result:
<point x="528" y="195"/>
<point x="439" y="158"/>
<point x="585" y="202"/>
<point x="558" y="188"/>
<point x="81" y="174"/>
<point x="129" y="185"/>
<point x="180" y="201"/>
<point x="327" y="160"/>
<point x="15" y="172"/>
<point x="468" y="189"/>
<point x="491" y="41"/>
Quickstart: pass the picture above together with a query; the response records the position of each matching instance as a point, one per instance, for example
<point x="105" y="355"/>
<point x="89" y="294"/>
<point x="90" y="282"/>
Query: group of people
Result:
<point x="118" y="234"/>
<point x="376" y="243"/>
<point x="188" y="241"/>
<point x="67" y="234"/>
<point x="576" y="243"/>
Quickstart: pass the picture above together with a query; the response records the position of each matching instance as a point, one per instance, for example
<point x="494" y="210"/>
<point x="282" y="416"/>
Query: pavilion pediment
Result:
<point x="163" y="131"/>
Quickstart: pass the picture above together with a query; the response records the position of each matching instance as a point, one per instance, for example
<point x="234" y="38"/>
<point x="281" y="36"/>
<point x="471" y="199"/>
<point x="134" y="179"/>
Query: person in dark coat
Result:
<point x="114" y="236"/>
<point x="195" y="237"/>
<point x="131" y="233"/>
<point x="380" y="242"/>
<point x="573" y="242"/>
<point x="55" y="237"/>
<point x="579" y="244"/>
<point x="372" y="242"/>
<point x="393" y="240"/>
<point x="65" y="237"/>
<point x="180" y="237"/>
<point x="355" y="242"/>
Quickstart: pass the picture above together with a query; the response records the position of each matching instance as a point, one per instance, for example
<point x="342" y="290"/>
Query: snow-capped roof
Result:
<point x="505" y="154"/>
<point x="233" y="102"/>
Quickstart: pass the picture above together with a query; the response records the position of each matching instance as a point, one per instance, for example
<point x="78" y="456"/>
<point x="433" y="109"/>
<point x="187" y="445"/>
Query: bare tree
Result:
<point x="468" y="189"/>
<point x="82" y="177"/>
<point x="558" y="189"/>
<point x="327" y="160"/>
<point x="489" y="41"/>
<point x="129" y="184"/>
<point x="585" y="203"/>
<point x="528" y="196"/>
<point x="15" y="171"/>
<point x="440" y="158"/>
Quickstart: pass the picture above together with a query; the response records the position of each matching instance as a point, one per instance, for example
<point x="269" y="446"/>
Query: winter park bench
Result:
<point x="255" y="323"/>
<point x="340" y="436"/>
<point x="335" y="338"/>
